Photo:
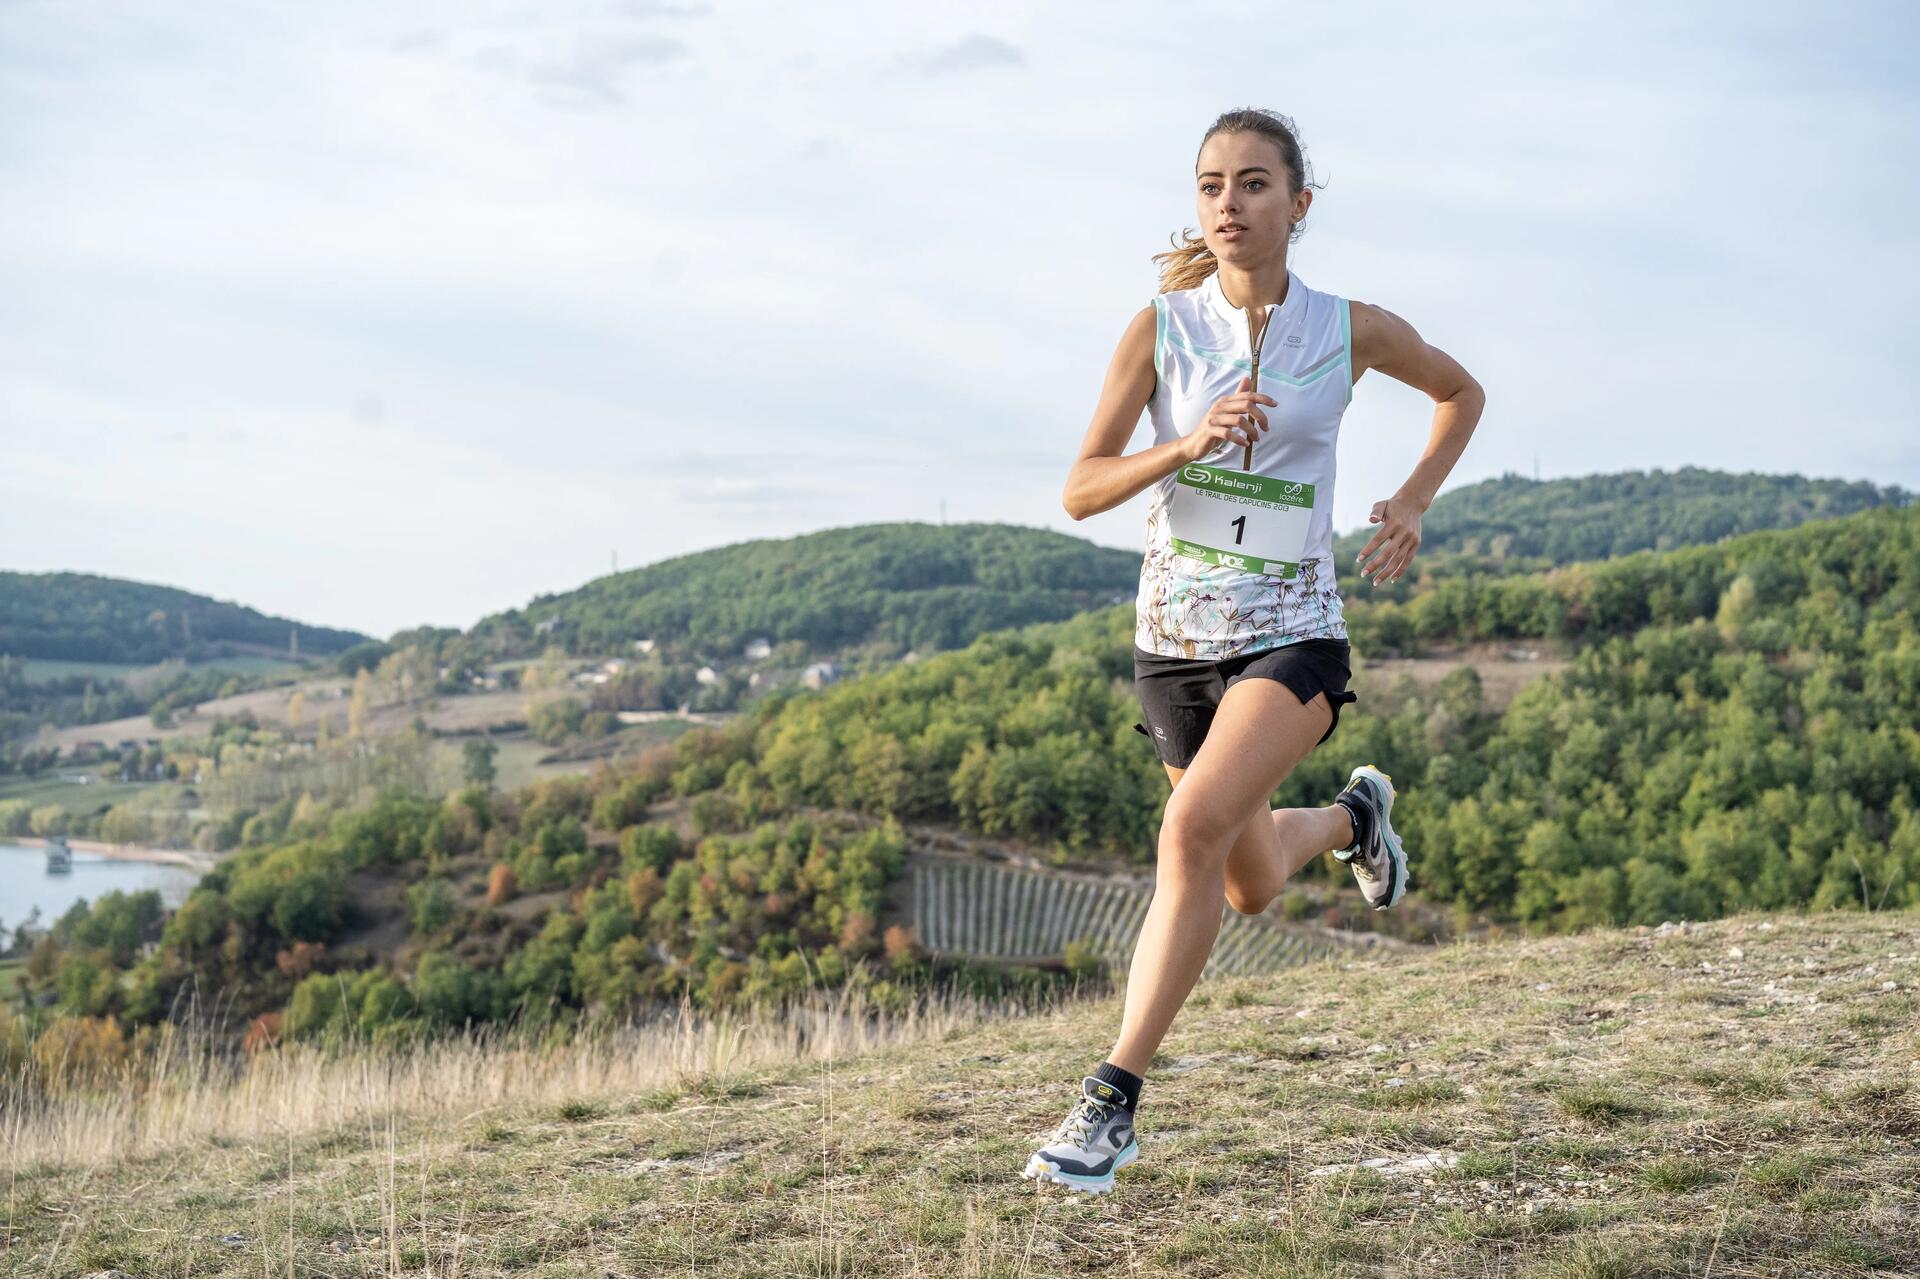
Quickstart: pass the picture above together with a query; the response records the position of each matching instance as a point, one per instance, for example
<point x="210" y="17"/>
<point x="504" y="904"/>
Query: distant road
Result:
<point x="191" y="858"/>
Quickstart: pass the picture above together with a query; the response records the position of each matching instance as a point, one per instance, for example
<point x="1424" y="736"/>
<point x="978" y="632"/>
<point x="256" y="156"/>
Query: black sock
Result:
<point x="1127" y="1082"/>
<point x="1361" y="815"/>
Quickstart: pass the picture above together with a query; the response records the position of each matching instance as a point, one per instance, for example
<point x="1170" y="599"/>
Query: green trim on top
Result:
<point x="1346" y="346"/>
<point x="1159" y="339"/>
<point x="1313" y="375"/>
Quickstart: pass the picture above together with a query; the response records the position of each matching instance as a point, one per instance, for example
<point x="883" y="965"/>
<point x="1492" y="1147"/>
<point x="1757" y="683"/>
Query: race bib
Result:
<point x="1251" y="522"/>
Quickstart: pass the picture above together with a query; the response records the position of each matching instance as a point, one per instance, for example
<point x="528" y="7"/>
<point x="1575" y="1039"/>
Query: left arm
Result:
<point x="1384" y="341"/>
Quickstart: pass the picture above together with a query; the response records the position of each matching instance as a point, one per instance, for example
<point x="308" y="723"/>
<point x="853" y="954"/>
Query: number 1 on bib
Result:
<point x="1250" y="522"/>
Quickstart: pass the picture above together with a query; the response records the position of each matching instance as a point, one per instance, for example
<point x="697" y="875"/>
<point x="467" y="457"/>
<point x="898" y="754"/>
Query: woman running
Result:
<point x="1240" y="650"/>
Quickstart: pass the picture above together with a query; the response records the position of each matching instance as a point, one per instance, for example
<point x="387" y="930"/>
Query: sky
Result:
<point x="400" y="314"/>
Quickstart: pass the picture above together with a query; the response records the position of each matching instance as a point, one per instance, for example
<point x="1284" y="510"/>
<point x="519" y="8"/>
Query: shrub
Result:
<point x="431" y="905"/>
<point x="77" y="1053"/>
<point x="263" y="1032"/>
<point x="501" y="885"/>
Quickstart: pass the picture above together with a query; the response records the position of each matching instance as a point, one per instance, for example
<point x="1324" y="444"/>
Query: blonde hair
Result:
<point x="1190" y="261"/>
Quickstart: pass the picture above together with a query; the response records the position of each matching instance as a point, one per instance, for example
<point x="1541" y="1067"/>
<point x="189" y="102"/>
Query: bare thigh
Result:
<point x="1260" y="733"/>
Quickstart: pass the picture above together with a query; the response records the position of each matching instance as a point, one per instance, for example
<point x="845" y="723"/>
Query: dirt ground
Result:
<point x="1504" y="668"/>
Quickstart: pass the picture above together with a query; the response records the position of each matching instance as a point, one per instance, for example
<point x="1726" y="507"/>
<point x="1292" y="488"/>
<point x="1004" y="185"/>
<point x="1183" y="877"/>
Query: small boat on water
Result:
<point x="59" y="856"/>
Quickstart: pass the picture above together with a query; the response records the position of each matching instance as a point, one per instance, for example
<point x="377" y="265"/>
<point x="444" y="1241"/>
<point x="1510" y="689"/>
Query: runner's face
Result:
<point x="1240" y="181"/>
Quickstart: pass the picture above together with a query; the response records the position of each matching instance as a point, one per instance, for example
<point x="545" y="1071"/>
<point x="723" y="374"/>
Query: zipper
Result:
<point x="1254" y="347"/>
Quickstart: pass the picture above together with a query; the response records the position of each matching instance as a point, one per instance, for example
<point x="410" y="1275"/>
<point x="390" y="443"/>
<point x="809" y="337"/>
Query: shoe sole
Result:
<point x="1040" y="1170"/>
<point x="1395" y="852"/>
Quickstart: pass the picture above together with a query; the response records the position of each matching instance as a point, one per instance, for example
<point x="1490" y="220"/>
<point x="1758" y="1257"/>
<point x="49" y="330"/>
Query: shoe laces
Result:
<point x="1078" y="1127"/>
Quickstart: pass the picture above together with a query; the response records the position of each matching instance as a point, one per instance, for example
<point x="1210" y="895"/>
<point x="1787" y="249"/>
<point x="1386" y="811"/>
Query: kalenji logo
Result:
<point x="1218" y="479"/>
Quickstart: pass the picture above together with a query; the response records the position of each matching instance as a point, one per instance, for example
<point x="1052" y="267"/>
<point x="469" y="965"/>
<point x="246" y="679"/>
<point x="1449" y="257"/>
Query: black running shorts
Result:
<point x="1178" y="695"/>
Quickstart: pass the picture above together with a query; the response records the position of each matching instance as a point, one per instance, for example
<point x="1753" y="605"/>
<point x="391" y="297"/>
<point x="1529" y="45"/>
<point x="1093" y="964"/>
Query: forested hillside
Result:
<point x="123" y="626"/>
<point x="911" y="585"/>
<point x="1596" y="517"/>
<point x="1739" y="728"/>
<point x="82" y="617"/>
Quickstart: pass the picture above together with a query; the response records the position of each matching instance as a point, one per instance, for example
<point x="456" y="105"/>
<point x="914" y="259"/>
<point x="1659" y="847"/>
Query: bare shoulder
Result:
<point x="1385" y="341"/>
<point x="1134" y="356"/>
<point x="1140" y="329"/>
<point x="1125" y="392"/>
<point x="1377" y="333"/>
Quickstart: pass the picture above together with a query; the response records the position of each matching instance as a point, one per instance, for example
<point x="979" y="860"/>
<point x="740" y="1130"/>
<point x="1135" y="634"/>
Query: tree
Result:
<point x="477" y="762"/>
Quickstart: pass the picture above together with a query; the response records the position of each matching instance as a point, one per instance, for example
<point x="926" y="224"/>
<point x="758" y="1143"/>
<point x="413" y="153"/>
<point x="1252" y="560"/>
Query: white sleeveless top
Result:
<point x="1197" y="608"/>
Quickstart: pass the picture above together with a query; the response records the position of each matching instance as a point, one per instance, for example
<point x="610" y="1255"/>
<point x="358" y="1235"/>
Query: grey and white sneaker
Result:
<point x="1091" y="1144"/>
<point x="1378" y="860"/>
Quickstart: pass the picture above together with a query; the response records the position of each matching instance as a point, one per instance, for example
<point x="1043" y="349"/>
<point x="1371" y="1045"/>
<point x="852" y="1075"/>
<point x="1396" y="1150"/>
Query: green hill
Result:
<point x="909" y="585"/>
<point x="78" y="648"/>
<point x="1727" y="1099"/>
<point x="1596" y="517"/>
<point x="82" y="617"/>
<point x="1734" y="731"/>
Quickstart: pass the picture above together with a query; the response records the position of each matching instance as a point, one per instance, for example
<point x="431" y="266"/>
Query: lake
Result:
<point x="25" y="883"/>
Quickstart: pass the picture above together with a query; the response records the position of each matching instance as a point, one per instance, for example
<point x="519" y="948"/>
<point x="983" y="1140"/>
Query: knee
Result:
<point x="1192" y="839"/>
<point x="1248" y="898"/>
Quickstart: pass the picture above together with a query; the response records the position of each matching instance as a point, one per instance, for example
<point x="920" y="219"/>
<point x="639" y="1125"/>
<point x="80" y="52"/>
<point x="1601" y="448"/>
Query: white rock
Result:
<point x="1543" y="985"/>
<point x="1376" y="1048"/>
<point x="1889" y="985"/>
<point x="1734" y="952"/>
<point x="1393" y="1167"/>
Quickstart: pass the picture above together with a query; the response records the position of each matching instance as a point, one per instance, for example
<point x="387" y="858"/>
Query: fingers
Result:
<point x="1223" y="432"/>
<point x="1367" y="550"/>
<point x="1239" y="406"/>
<point x="1394" y="557"/>
<point x="1234" y="422"/>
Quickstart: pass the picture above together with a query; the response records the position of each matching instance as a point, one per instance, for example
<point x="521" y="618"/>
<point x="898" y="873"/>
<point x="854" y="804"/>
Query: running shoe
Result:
<point x="1378" y="860"/>
<point x="1091" y="1144"/>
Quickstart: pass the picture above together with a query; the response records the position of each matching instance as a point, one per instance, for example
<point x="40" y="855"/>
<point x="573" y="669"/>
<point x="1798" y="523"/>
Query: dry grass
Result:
<point x="1617" y="1104"/>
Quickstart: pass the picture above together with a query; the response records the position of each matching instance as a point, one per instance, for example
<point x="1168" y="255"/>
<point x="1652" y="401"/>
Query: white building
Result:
<point x="707" y="675"/>
<point x="643" y="646"/>
<point x="819" y="675"/>
<point x="758" y="650"/>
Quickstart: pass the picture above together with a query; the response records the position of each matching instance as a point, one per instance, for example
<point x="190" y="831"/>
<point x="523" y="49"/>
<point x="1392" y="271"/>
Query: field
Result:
<point x="41" y="669"/>
<point x="1734" y="1098"/>
<point x="75" y="797"/>
<point x="327" y="697"/>
<point x="1504" y="669"/>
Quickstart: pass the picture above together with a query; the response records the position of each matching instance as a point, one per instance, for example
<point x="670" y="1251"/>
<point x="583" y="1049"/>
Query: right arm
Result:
<point x="1102" y="478"/>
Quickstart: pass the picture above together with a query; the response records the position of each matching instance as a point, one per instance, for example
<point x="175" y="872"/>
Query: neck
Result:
<point x="1263" y="285"/>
